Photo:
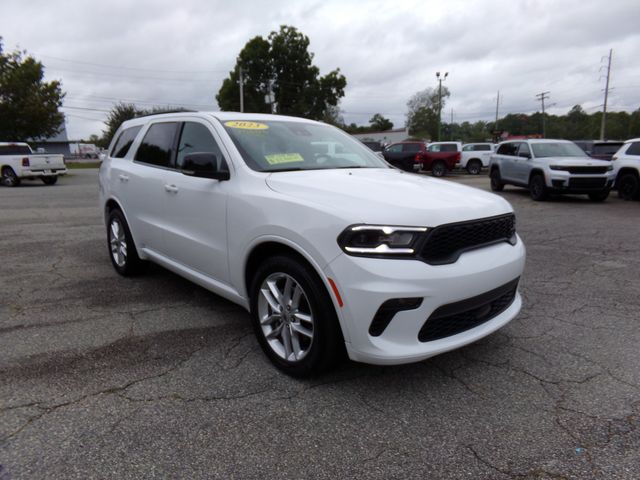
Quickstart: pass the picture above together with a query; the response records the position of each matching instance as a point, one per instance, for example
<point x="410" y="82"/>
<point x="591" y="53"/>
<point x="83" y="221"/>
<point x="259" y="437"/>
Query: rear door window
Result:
<point x="126" y="138"/>
<point x="411" y="147"/>
<point x="395" y="148"/>
<point x="448" y="147"/>
<point x="158" y="145"/>
<point x="510" y="149"/>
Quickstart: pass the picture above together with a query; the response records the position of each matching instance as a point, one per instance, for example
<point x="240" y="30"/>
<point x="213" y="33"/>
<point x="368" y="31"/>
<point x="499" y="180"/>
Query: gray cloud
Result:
<point x="163" y="53"/>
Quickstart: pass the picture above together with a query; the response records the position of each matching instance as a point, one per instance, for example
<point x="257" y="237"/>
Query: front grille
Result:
<point x="444" y="244"/>
<point x="464" y="315"/>
<point x="587" y="182"/>
<point x="587" y="170"/>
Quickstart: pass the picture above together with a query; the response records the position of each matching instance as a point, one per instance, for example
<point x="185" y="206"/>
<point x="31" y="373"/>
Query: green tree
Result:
<point x="422" y="115"/>
<point x="28" y="105"/>
<point x="282" y="63"/>
<point x="380" y="123"/>
<point x="118" y="114"/>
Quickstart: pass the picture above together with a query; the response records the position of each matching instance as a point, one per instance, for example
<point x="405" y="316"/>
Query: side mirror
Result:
<point x="204" y="165"/>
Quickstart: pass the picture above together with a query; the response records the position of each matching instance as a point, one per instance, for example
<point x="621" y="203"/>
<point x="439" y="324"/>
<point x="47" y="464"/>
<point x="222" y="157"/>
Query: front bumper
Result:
<point x="366" y="283"/>
<point x="565" y="182"/>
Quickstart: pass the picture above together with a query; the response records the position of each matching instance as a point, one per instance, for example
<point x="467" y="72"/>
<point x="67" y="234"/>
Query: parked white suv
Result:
<point x="547" y="166"/>
<point x="626" y="167"/>
<point x="327" y="252"/>
<point x="476" y="156"/>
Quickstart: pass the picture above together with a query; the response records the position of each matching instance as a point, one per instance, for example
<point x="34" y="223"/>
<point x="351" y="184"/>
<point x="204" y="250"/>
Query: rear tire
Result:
<point x="537" y="188"/>
<point x="9" y="177"/>
<point x="294" y="317"/>
<point x="629" y="186"/>
<point x="474" y="167"/>
<point x="49" y="180"/>
<point x="496" y="181"/>
<point x="438" y="169"/>
<point x="599" y="196"/>
<point x="122" y="251"/>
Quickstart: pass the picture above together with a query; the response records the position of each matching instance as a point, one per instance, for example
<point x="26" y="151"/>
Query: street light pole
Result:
<point x="440" y="101"/>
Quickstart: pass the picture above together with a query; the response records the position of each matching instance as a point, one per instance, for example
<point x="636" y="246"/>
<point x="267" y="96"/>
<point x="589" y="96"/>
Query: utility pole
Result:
<point x="495" y="126"/>
<point x="440" y="101"/>
<point x="241" y="90"/>
<point x="451" y="126"/>
<point x="606" y="94"/>
<point x="542" y="97"/>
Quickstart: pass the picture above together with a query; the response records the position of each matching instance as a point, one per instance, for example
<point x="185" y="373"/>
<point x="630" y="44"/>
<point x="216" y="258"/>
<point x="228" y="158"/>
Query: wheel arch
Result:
<point x="535" y="171"/>
<point x="624" y="171"/>
<point x="270" y="247"/>
<point x="114" y="204"/>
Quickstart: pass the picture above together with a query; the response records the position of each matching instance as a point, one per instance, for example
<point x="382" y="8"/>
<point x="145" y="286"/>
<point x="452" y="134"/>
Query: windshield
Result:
<point x="551" y="149"/>
<point x="276" y="146"/>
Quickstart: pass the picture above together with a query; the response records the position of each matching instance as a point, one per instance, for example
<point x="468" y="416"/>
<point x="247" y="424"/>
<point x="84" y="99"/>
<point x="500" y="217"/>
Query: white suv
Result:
<point x="550" y="166"/>
<point x="329" y="252"/>
<point x="626" y="166"/>
<point x="476" y="156"/>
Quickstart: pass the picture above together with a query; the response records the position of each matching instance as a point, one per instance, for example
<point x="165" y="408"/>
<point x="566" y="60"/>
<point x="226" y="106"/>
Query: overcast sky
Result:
<point x="177" y="53"/>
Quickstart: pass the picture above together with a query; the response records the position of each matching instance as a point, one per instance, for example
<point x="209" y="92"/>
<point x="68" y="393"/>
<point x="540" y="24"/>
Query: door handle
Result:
<point x="171" y="188"/>
<point x="123" y="178"/>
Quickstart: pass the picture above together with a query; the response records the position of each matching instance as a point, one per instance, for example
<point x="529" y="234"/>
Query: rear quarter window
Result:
<point x="125" y="139"/>
<point x="448" y="147"/>
<point x="634" y="149"/>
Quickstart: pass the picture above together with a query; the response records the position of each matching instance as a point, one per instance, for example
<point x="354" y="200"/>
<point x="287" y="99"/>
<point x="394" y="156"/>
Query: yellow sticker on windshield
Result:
<point x="247" y="125"/>
<point x="277" y="158"/>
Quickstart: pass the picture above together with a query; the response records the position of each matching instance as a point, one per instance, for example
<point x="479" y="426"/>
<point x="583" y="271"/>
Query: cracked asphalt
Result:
<point x="154" y="377"/>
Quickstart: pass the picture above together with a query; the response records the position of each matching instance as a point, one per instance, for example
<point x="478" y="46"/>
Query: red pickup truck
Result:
<point x="441" y="157"/>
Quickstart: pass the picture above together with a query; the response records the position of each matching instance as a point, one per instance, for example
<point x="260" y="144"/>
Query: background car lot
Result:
<point x="156" y="377"/>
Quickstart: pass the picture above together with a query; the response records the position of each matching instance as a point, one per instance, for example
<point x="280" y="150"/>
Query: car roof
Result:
<point x="538" y="140"/>
<point x="633" y="140"/>
<point x="222" y="116"/>
<point x="13" y="144"/>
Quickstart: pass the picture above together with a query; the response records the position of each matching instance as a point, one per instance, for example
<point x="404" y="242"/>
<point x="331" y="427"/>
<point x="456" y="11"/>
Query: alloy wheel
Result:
<point x="285" y="317"/>
<point x="118" y="242"/>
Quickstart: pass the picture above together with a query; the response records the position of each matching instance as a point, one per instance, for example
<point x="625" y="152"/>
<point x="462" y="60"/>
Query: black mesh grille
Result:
<point x="587" y="182"/>
<point x="586" y="170"/>
<point x="445" y="243"/>
<point x="461" y="316"/>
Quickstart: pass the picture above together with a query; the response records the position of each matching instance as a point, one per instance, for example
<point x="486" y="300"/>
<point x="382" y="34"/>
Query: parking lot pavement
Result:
<point x="154" y="377"/>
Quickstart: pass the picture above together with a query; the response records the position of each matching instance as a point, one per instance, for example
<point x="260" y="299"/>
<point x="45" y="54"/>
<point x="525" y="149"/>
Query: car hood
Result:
<point x="388" y="196"/>
<point x="576" y="162"/>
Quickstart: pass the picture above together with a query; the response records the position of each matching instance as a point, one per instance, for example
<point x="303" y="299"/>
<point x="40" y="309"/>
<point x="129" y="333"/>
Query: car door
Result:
<point x="393" y="154"/>
<point x="196" y="208"/>
<point x="507" y="155"/>
<point x="522" y="166"/>
<point x="142" y="184"/>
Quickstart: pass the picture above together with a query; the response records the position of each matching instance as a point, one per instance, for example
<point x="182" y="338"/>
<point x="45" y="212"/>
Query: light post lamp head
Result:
<point x="445" y="74"/>
<point x="437" y="74"/>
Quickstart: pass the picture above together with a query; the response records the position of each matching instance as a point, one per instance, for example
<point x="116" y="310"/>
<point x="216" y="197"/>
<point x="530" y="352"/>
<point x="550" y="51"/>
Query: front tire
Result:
<point x="474" y="167"/>
<point x="9" y="177"/>
<point x="537" y="188"/>
<point x="438" y="169"/>
<point x="496" y="181"/>
<point x="122" y="250"/>
<point x="49" y="180"/>
<point x="294" y="318"/>
<point x="629" y="186"/>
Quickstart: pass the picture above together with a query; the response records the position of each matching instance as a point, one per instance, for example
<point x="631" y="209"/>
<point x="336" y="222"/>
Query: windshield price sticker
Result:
<point x="278" y="158"/>
<point x="246" y="125"/>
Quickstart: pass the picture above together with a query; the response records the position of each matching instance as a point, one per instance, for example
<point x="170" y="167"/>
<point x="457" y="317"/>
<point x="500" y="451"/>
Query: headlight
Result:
<point x="558" y="167"/>
<point x="380" y="240"/>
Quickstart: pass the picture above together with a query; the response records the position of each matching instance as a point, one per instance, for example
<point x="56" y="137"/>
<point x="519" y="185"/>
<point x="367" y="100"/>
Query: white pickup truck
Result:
<point x="18" y="162"/>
